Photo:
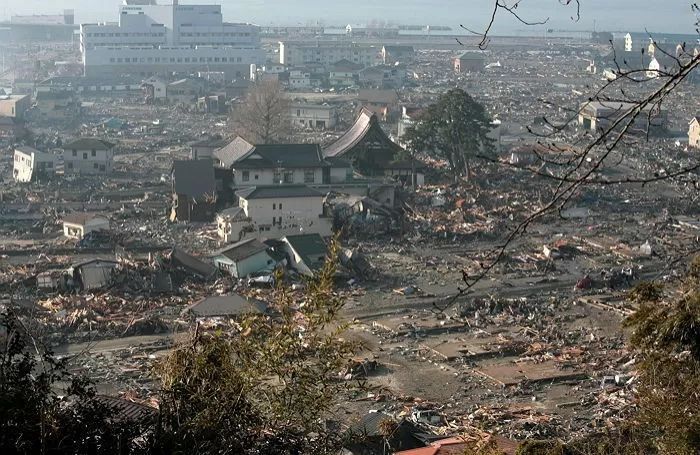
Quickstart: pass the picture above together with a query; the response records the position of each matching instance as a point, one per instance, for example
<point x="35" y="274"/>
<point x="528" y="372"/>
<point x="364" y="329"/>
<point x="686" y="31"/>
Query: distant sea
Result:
<point x="611" y="15"/>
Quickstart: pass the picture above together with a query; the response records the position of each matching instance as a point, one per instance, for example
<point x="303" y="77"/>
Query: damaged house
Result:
<point x="31" y="165"/>
<point x="280" y="164"/>
<point x="194" y="191"/>
<point x="204" y="149"/>
<point x="368" y="435"/>
<point x="306" y="252"/>
<point x="192" y="265"/>
<point x="244" y="258"/>
<point x="272" y="211"/>
<point x="79" y="224"/>
<point x="92" y="274"/>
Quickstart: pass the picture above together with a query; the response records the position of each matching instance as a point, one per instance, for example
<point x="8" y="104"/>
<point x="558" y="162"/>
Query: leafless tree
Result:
<point x="263" y="118"/>
<point x="637" y="92"/>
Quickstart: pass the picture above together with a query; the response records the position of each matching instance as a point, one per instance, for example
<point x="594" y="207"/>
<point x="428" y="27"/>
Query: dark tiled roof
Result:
<point x="233" y="151"/>
<point x="346" y="65"/>
<point x="41" y="96"/>
<point x="471" y="56"/>
<point x="398" y="48"/>
<point x="88" y="143"/>
<point x="126" y="411"/>
<point x="307" y="245"/>
<point x="193" y="264"/>
<point x="282" y="155"/>
<point x="277" y="191"/>
<point x="242" y="250"/>
<point x="226" y="305"/>
<point x="194" y="178"/>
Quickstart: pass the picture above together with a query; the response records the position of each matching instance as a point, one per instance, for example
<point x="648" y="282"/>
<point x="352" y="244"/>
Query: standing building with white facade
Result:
<point x="88" y="156"/>
<point x="327" y="53"/>
<point x="270" y="211"/>
<point x="319" y="116"/>
<point x="31" y="164"/>
<point x="154" y="39"/>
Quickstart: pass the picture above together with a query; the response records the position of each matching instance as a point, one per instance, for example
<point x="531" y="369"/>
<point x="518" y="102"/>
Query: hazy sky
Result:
<point x="616" y="15"/>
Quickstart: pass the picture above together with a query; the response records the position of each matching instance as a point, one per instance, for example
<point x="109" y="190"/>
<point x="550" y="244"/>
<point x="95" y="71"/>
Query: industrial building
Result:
<point x="154" y="39"/>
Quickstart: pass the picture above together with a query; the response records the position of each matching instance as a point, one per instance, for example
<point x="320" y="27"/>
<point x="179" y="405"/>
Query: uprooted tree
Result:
<point x="454" y="129"/>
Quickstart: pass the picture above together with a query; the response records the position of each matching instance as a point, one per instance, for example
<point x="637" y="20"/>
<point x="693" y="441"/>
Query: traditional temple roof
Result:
<point x="365" y="124"/>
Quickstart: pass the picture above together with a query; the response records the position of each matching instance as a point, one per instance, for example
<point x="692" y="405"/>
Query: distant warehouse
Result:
<point x="152" y="39"/>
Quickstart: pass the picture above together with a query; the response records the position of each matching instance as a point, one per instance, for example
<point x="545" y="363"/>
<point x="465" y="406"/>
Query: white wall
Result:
<point x="296" y="54"/>
<point x="310" y="115"/>
<point x="262" y="211"/>
<point x="268" y="220"/>
<point x="26" y="165"/>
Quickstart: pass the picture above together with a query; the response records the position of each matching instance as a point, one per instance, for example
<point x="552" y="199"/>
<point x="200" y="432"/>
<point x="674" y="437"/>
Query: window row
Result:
<point x="215" y="34"/>
<point x="125" y="35"/>
<point x="93" y="153"/>
<point x="175" y="60"/>
<point x="161" y="34"/>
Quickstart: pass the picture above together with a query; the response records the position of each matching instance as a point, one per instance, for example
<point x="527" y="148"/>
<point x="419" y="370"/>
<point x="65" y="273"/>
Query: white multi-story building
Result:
<point x="155" y="39"/>
<point x="299" y="79"/>
<point x="328" y="53"/>
<point x="319" y="116"/>
<point x="273" y="211"/>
